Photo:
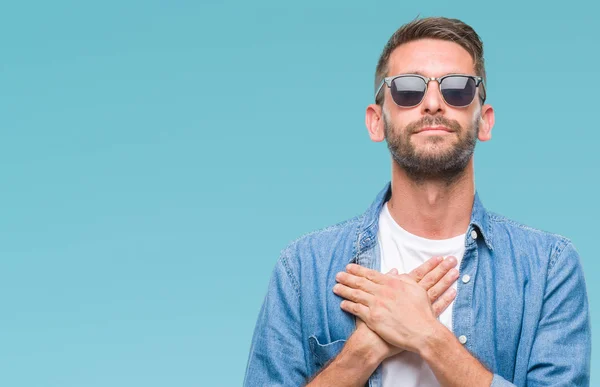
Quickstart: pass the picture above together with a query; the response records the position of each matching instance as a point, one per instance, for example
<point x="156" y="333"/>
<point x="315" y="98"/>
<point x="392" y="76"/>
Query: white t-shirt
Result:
<point x="405" y="252"/>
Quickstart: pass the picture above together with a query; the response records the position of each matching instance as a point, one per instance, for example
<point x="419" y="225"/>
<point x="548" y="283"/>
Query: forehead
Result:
<point x="430" y="57"/>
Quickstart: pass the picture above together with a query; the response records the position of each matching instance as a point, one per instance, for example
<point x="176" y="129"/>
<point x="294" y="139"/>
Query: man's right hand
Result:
<point x="436" y="276"/>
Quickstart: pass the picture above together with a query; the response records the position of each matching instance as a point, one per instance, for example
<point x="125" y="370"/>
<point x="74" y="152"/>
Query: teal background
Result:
<point x="156" y="156"/>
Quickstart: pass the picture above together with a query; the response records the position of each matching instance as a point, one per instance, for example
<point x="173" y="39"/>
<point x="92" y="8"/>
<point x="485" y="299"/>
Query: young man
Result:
<point x="370" y="299"/>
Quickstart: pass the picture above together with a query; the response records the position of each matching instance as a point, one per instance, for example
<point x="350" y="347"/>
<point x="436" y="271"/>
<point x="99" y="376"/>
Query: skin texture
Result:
<point x="432" y="197"/>
<point x="430" y="207"/>
<point x="447" y="165"/>
<point x="365" y="349"/>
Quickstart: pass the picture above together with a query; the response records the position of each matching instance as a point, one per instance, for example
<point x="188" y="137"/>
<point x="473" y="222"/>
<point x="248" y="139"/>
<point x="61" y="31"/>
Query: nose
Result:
<point x="433" y="102"/>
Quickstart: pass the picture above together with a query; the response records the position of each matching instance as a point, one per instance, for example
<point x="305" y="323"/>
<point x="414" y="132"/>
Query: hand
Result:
<point x="402" y="309"/>
<point x="372" y="339"/>
<point x="434" y="277"/>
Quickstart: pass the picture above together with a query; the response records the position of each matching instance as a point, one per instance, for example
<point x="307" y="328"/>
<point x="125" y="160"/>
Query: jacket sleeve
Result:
<point x="562" y="346"/>
<point x="277" y="351"/>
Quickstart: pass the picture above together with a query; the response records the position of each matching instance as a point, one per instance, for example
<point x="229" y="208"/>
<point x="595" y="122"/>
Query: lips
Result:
<point x="434" y="129"/>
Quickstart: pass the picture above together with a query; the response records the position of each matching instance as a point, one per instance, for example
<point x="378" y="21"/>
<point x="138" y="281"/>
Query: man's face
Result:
<point x="426" y="154"/>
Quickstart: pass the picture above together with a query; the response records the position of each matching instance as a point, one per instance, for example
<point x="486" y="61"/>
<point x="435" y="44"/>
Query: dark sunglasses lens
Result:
<point x="407" y="91"/>
<point x="458" y="90"/>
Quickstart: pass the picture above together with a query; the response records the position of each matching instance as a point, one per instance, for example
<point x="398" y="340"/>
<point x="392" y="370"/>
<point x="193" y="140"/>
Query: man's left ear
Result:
<point x="486" y="123"/>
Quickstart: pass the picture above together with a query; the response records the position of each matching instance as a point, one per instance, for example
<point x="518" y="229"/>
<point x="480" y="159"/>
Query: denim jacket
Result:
<point x="523" y="308"/>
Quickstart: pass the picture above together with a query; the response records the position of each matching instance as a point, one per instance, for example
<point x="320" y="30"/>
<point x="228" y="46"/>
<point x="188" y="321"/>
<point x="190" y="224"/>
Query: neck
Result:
<point x="433" y="209"/>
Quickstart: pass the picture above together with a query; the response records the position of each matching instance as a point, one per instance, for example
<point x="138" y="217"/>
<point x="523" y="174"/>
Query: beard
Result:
<point x="434" y="163"/>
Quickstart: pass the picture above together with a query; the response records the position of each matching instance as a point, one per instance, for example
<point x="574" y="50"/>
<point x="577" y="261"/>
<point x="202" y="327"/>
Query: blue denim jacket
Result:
<point x="524" y="312"/>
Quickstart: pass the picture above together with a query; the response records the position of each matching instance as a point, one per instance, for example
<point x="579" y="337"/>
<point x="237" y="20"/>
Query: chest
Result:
<point x="494" y="313"/>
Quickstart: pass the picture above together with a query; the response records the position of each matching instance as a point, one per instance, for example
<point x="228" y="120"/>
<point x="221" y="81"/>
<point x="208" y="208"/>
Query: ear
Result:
<point x="486" y="123"/>
<point x="374" y="122"/>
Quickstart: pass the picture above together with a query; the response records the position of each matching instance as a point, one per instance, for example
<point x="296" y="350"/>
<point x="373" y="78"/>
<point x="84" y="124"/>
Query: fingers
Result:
<point x="443" y="302"/>
<point x="434" y="276"/>
<point x="442" y="285"/>
<point x="420" y="272"/>
<point x="354" y="295"/>
<point x="356" y="282"/>
<point x="358" y="310"/>
<point x="371" y="275"/>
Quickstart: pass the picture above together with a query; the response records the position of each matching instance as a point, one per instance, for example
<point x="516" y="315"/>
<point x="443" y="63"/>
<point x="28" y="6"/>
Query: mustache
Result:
<point x="415" y="126"/>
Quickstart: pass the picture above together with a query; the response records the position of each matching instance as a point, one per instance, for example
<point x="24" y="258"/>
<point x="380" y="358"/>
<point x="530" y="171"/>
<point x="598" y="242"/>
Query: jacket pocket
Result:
<point x="322" y="353"/>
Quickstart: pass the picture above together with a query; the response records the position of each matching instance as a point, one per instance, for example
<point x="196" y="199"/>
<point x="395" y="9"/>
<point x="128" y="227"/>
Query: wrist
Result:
<point x="434" y="338"/>
<point x="463" y="370"/>
<point x="353" y="366"/>
<point x="366" y="350"/>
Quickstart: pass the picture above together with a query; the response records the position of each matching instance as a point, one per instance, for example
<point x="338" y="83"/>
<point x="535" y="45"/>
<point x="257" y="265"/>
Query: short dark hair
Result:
<point x="441" y="28"/>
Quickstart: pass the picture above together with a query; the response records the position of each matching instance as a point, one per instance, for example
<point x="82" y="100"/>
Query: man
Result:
<point x="370" y="300"/>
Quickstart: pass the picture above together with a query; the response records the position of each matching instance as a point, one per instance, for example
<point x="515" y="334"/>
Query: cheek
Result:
<point x="468" y="121"/>
<point x="400" y="117"/>
<point x="393" y="127"/>
<point x="476" y="118"/>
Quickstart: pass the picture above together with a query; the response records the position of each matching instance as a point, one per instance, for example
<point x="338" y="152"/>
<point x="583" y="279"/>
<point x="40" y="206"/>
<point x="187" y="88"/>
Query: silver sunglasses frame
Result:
<point x="478" y="81"/>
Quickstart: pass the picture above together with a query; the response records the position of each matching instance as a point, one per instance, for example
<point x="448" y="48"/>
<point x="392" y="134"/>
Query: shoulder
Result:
<point x="324" y="245"/>
<point x="526" y="240"/>
<point x="324" y="238"/>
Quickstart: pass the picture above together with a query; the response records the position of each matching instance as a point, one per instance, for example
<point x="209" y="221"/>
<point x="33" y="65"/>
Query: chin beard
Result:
<point x="447" y="165"/>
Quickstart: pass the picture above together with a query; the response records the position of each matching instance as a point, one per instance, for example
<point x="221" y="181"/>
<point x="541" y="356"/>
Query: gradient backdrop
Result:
<point x="156" y="156"/>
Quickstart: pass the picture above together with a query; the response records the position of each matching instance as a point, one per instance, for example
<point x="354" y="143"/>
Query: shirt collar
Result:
<point x="367" y="231"/>
<point x="480" y="218"/>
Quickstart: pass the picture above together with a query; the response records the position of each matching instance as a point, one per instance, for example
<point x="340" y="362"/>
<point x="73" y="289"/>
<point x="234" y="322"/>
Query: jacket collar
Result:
<point x="366" y="236"/>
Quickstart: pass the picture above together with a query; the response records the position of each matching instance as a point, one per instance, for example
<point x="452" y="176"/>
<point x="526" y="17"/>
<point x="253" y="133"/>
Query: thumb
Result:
<point x="394" y="271"/>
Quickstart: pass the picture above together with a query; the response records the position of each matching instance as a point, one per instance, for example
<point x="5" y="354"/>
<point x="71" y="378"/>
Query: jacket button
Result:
<point x="474" y="234"/>
<point x="462" y="339"/>
<point x="466" y="278"/>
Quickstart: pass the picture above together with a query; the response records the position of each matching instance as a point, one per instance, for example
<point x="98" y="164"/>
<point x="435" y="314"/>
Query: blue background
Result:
<point x="155" y="157"/>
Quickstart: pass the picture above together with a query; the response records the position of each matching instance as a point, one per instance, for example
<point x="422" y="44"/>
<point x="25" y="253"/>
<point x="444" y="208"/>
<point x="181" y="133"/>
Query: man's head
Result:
<point x="431" y="48"/>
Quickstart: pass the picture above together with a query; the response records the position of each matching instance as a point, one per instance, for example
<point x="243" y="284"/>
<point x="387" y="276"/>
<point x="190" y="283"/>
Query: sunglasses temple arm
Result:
<point x="379" y="89"/>
<point x="484" y="92"/>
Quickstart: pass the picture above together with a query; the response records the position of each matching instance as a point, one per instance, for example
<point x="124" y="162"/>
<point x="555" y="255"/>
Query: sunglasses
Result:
<point x="458" y="90"/>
